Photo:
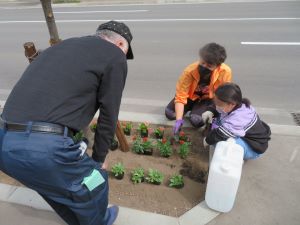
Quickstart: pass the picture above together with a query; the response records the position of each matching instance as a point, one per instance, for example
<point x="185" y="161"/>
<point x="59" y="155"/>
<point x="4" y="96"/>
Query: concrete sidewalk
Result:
<point x="13" y="214"/>
<point x="268" y="194"/>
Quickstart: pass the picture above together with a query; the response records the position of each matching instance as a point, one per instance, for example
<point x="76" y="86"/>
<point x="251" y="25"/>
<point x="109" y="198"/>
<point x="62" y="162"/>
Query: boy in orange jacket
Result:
<point x="195" y="87"/>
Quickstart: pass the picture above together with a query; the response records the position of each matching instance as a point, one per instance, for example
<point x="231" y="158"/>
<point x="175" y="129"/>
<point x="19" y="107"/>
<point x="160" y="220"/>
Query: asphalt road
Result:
<point x="167" y="38"/>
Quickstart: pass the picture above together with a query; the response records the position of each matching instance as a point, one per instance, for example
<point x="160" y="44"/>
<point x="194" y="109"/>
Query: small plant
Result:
<point x="114" y="144"/>
<point x="127" y="128"/>
<point x="137" y="145"/>
<point x="137" y="175"/>
<point x="93" y="127"/>
<point x="184" y="150"/>
<point x="118" y="171"/>
<point x="181" y="142"/>
<point x="142" y="146"/>
<point x="159" y="132"/>
<point x="155" y="177"/>
<point x="143" y="128"/>
<point x="176" y="181"/>
<point x="78" y="137"/>
<point x="164" y="148"/>
<point x="183" y="137"/>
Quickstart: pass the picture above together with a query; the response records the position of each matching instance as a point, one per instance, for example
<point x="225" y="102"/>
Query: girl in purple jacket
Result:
<point x="236" y="118"/>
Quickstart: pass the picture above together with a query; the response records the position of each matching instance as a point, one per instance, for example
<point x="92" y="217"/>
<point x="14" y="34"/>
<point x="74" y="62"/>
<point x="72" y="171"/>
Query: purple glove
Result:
<point x="177" y="126"/>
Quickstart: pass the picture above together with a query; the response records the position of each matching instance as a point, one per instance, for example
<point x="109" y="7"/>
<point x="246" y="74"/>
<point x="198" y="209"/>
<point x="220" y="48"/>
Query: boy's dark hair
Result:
<point x="213" y="53"/>
<point x="231" y="93"/>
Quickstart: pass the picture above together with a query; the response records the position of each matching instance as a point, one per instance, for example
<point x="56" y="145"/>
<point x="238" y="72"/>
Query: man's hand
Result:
<point x="207" y="117"/>
<point x="177" y="126"/>
<point x="104" y="165"/>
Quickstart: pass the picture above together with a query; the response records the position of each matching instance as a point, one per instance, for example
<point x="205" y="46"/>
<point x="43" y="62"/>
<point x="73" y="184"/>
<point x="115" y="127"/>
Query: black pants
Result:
<point x="196" y="107"/>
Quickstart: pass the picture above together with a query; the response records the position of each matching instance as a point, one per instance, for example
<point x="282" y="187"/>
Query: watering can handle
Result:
<point x="231" y="140"/>
<point x="226" y="150"/>
<point x="225" y="168"/>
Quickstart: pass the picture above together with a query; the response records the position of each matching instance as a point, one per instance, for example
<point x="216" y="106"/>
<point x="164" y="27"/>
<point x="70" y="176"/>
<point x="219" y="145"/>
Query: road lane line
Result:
<point x="269" y="43"/>
<point x="166" y="3"/>
<point x="294" y="153"/>
<point x="106" y="11"/>
<point x="154" y="20"/>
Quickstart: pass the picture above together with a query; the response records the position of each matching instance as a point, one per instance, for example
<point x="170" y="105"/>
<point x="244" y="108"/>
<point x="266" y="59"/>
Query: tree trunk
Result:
<point x="121" y="137"/>
<point x="48" y="12"/>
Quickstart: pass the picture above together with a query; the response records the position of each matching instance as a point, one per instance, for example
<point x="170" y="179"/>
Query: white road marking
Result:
<point x="106" y="11"/>
<point x="154" y="20"/>
<point x="162" y="3"/>
<point x="294" y="153"/>
<point x="82" y="5"/>
<point x="269" y="43"/>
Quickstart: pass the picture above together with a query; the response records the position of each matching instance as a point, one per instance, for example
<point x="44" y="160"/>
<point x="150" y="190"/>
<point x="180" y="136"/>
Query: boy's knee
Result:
<point x="170" y="114"/>
<point x="196" y="120"/>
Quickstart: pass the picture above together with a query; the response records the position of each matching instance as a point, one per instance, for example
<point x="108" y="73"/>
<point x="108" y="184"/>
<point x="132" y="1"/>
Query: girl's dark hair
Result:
<point x="231" y="93"/>
<point x="213" y="53"/>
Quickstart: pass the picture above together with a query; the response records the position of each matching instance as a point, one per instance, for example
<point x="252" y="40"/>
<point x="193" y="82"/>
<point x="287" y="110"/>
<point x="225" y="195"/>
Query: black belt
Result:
<point x="37" y="127"/>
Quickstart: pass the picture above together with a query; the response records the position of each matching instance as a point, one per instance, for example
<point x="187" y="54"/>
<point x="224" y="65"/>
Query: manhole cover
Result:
<point x="296" y="117"/>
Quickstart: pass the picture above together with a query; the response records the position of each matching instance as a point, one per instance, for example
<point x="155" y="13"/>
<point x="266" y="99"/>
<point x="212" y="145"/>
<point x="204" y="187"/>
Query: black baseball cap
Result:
<point x="122" y="29"/>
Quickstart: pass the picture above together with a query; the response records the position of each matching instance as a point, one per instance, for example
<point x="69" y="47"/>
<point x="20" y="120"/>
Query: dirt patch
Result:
<point x="194" y="171"/>
<point x="162" y="199"/>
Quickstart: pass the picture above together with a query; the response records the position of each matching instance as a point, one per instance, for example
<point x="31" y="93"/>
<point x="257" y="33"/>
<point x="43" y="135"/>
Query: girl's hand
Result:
<point x="205" y="144"/>
<point x="207" y="117"/>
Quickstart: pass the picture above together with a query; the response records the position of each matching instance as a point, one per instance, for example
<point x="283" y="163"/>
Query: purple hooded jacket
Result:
<point x="242" y="122"/>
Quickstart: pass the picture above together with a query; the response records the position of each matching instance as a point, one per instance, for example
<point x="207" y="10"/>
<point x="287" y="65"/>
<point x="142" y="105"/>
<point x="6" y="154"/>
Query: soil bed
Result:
<point x="161" y="199"/>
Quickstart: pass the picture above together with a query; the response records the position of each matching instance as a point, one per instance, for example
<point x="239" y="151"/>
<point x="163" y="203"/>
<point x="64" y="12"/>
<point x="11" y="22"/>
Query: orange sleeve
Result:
<point x="225" y="75"/>
<point x="183" y="87"/>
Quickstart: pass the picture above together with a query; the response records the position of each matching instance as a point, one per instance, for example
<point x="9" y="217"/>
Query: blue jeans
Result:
<point x="51" y="165"/>
<point x="249" y="153"/>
